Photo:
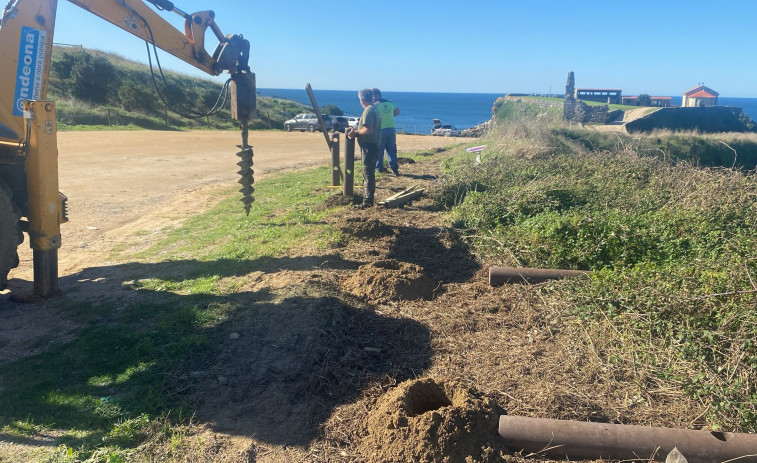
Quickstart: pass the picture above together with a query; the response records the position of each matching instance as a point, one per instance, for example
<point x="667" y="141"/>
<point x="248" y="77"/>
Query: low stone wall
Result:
<point x="705" y="120"/>
<point x="578" y="111"/>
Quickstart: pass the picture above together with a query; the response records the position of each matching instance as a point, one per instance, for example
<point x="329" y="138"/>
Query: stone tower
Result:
<point x="569" y="103"/>
<point x="570" y="87"/>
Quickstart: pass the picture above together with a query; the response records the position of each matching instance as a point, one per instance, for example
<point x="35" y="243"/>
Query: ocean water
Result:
<point x="417" y="109"/>
<point x="463" y="110"/>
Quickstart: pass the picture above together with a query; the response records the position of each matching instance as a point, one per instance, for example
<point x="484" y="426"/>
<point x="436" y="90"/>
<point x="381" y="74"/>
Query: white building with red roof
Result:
<point x="699" y="96"/>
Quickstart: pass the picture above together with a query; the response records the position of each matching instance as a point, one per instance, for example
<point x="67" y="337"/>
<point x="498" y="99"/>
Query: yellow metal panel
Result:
<point x="42" y="176"/>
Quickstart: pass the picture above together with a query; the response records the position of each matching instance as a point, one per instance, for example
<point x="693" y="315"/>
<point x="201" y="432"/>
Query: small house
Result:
<point x="699" y="96"/>
<point x="661" y="101"/>
<point x="658" y="101"/>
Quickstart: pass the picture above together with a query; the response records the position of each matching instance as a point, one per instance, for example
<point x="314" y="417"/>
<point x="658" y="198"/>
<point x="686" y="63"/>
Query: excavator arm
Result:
<point x="28" y="140"/>
<point x="138" y="19"/>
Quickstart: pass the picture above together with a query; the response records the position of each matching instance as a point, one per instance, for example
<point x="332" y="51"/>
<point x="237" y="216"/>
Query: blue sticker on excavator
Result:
<point x="31" y="60"/>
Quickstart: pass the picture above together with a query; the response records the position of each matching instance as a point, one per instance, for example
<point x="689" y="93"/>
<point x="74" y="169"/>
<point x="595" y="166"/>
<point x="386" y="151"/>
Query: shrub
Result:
<point x="85" y="76"/>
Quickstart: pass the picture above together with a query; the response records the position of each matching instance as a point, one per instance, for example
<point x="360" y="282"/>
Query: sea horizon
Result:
<point x="460" y="109"/>
<point x="417" y="109"/>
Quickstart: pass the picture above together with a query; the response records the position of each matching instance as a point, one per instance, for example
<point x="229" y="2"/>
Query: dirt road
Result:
<point x="122" y="182"/>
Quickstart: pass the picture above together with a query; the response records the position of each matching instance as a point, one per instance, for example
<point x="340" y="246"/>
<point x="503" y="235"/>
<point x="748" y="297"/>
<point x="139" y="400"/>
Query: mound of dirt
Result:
<point x="362" y="227"/>
<point x="390" y="280"/>
<point x="335" y="201"/>
<point x="422" y="420"/>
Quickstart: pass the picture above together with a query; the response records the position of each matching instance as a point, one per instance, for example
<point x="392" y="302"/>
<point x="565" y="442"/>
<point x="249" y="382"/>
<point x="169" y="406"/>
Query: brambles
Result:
<point x="671" y="244"/>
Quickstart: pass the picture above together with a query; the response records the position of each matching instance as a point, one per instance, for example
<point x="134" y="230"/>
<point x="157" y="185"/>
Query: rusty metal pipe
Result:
<point x="502" y="275"/>
<point x="576" y="440"/>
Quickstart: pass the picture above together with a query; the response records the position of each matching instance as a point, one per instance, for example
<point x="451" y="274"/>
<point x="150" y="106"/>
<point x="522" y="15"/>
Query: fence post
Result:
<point x="109" y="124"/>
<point x="336" y="170"/>
<point x="349" y="166"/>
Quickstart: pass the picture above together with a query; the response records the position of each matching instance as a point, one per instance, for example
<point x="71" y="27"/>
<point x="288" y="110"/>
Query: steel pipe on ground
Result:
<point x="576" y="439"/>
<point x="502" y="275"/>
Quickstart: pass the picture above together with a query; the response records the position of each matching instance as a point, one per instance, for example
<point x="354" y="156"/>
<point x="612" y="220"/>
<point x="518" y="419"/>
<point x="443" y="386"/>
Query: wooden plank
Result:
<point x="404" y="199"/>
<point x="317" y="112"/>
<point x="397" y="195"/>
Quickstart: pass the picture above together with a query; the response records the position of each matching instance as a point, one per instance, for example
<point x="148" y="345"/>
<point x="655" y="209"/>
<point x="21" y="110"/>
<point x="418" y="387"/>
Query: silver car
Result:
<point x="307" y="122"/>
<point x="446" y="131"/>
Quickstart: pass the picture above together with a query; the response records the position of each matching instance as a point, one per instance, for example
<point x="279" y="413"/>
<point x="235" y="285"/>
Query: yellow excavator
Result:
<point x="29" y="198"/>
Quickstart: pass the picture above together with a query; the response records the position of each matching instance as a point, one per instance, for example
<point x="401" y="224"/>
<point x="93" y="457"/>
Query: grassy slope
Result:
<point x="132" y="102"/>
<point x="612" y="107"/>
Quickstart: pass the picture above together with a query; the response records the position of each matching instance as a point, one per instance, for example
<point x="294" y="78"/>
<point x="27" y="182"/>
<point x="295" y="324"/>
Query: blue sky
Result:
<point x="661" y="47"/>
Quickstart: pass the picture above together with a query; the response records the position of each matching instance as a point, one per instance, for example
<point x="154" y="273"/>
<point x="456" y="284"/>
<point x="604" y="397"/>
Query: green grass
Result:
<point x="117" y="378"/>
<point x="612" y="107"/>
<point x="267" y="231"/>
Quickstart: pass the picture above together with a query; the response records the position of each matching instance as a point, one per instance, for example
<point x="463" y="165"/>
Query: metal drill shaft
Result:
<point x="245" y="171"/>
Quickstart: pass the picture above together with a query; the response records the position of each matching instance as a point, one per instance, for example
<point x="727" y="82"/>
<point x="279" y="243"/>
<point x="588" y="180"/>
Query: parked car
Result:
<point x="353" y="121"/>
<point x="446" y="130"/>
<point x="340" y="123"/>
<point x="307" y="122"/>
<point x="329" y="121"/>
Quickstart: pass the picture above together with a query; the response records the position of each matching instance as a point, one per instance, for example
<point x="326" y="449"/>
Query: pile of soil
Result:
<point x="426" y="420"/>
<point x="390" y="280"/>
<point x="334" y="201"/>
<point x="362" y="227"/>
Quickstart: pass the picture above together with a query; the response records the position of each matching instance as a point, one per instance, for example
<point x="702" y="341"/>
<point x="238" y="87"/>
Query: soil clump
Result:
<point x="362" y="227"/>
<point x="427" y="420"/>
<point x="390" y="280"/>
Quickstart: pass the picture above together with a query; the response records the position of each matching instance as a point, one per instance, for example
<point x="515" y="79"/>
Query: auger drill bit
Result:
<point x="245" y="171"/>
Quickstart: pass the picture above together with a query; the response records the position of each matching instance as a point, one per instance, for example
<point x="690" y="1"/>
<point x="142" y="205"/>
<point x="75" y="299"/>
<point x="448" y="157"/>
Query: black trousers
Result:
<point x="370" y="157"/>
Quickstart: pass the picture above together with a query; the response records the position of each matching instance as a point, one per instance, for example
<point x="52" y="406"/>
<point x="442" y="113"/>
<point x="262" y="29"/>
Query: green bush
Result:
<point x="84" y="76"/>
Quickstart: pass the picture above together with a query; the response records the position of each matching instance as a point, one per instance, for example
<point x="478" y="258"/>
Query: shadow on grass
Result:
<point x="273" y="363"/>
